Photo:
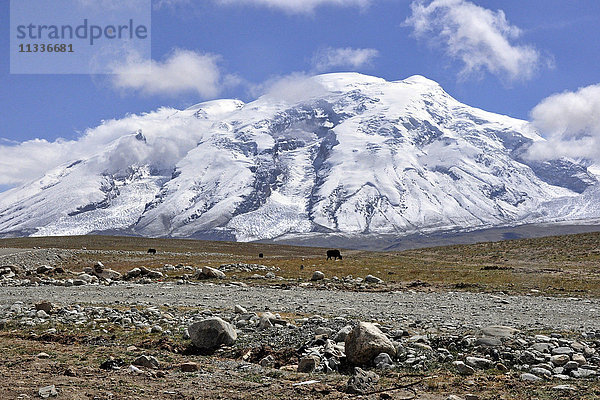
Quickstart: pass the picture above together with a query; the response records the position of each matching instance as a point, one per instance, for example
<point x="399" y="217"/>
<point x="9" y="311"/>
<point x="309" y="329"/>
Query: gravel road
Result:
<point x="445" y="311"/>
<point x="8" y="252"/>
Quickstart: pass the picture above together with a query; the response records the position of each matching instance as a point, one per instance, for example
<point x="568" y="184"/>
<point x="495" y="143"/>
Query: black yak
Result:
<point x="335" y="254"/>
<point x="151" y="251"/>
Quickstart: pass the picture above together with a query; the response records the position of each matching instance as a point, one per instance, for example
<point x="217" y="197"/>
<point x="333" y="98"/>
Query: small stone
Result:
<point x="44" y="269"/>
<point x="317" y="276"/>
<point x="264" y="323"/>
<point x="42" y="314"/>
<point x="542" y="347"/>
<point x="559" y="359"/>
<point x="530" y="377"/>
<point x="189" y="367"/>
<point x="112" y="364"/>
<point x="454" y="397"/>
<point x="489" y="341"/>
<point x="499" y="331"/>
<point x="579" y="359"/>
<point x="561" y="377"/>
<point x="541" y="372"/>
<point x="48" y="391"/>
<point x="324" y="331"/>
<point x="383" y="361"/>
<point x="270" y="275"/>
<point x="571" y="365"/>
<point x="373" y="279"/>
<point x="562" y="350"/>
<point x="463" y="369"/>
<point x="239" y="309"/>
<point x="267" y="361"/>
<point x="45" y="306"/>
<point x="88" y="278"/>
<point x="70" y="371"/>
<point x="582" y="373"/>
<point x="542" y="338"/>
<point x="362" y="382"/>
<point x="341" y="335"/>
<point x="146" y="361"/>
<point x="565" y="388"/>
<point x="156" y="329"/>
<point x="309" y="363"/>
<point x="479" y="362"/>
<point x="43" y="355"/>
<point x="501" y="367"/>
<point x="471" y="397"/>
<point x="135" y="370"/>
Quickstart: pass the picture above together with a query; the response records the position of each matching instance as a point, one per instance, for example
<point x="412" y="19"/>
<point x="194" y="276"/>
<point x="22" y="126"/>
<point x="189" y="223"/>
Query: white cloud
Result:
<point x="182" y="71"/>
<point x="570" y="122"/>
<point x="482" y="39"/>
<point x="298" y="6"/>
<point x="292" y="88"/>
<point x="343" y="57"/>
<point x="168" y="140"/>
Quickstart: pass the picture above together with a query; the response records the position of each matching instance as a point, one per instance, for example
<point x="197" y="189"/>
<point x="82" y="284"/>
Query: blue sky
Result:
<point x="553" y="48"/>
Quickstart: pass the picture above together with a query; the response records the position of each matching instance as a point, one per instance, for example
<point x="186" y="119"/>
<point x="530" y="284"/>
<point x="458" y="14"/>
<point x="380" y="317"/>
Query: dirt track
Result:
<point x="8" y="252"/>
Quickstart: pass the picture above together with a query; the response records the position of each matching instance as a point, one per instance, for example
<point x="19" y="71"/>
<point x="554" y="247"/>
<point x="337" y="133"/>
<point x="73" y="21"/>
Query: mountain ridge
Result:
<point x="340" y="153"/>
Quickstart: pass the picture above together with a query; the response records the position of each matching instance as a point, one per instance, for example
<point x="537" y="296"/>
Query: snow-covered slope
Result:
<point x="356" y="155"/>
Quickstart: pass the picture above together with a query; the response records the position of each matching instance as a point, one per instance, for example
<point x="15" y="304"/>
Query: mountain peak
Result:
<point x="363" y="156"/>
<point x="421" y="80"/>
<point x="341" y="81"/>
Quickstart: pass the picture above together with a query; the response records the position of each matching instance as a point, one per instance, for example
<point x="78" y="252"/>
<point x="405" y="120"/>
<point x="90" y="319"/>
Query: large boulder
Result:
<point x="211" y="333"/>
<point x="365" y="342"/>
<point x="150" y="273"/>
<point x="108" y="274"/>
<point x="209" y="273"/>
<point x="132" y="273"/>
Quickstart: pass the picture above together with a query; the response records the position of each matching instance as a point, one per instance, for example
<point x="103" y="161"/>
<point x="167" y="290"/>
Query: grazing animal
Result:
<point x="151" y="251"/>
<point x="260" y="255"/>
<point x="335" y="254"/>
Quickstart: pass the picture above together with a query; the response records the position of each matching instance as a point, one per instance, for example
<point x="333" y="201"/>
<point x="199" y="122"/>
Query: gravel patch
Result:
<point x="448" y="311"/>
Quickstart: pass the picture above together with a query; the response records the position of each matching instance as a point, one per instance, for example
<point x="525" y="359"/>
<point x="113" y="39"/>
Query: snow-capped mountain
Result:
<point x="350" y="154"/>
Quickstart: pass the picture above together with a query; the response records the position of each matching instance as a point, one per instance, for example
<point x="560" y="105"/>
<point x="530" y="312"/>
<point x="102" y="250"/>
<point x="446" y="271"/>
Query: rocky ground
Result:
<point x="238" y="330"/>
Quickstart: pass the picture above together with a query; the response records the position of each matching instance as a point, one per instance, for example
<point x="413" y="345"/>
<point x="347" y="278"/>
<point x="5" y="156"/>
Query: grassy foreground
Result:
<point x="557" y="265"/>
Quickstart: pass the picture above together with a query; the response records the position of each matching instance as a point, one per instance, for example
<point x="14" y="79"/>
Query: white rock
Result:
<point x="530" y="377"/>
<point x="48" y="391"/>
<point x="463" y="368"/>
<point x="317" y="276"/>
<point x="365" y="342"/>
<point x="239" y="309"/>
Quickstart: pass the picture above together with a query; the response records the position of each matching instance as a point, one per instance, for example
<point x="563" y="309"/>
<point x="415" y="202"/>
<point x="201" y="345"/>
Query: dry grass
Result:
<point x="559" y="265"/>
